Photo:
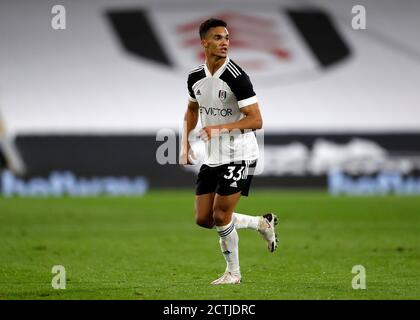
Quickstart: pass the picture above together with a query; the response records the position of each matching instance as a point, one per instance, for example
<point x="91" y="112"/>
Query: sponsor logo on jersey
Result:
<point x="222" y="95"/>
<point x="216" y="111"/>
<point x="198" y="93"/>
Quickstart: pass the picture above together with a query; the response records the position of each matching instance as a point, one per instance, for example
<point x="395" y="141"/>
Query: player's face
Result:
<point x="216" y="42"/>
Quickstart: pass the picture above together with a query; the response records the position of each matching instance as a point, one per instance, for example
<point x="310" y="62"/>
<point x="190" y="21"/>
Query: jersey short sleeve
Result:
<point x="240" y="84"/>
<point x="244" y="91"/>
<point x="191" y="95"/>
<point x="194" y="76"/>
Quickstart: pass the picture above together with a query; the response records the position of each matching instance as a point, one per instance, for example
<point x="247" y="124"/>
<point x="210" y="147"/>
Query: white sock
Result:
<point x="229" y="245"/>
<point x="243" y="221"/>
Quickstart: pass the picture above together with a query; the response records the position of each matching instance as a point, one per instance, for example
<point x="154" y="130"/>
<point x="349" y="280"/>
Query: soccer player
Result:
<point x="222" y="94"/>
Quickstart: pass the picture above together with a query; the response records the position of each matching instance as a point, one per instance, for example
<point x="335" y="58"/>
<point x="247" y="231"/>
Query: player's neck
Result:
<point x="214" y="63"/>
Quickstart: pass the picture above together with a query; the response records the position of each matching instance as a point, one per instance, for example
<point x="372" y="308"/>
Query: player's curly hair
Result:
<point x="210" y="23"/>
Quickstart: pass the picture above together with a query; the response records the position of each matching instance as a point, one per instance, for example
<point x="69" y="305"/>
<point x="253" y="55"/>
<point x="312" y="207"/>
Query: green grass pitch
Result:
<point x="150" y="248"/>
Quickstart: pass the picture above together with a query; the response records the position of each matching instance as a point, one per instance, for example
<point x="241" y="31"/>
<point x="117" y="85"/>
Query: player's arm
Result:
<point x="251" y="121"/>
<point x="190" y="122"/>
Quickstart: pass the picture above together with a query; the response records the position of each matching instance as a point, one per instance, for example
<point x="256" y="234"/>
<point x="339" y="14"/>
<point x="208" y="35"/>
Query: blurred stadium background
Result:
<point x="80" y="108"/>
<point x="90" y="99"/>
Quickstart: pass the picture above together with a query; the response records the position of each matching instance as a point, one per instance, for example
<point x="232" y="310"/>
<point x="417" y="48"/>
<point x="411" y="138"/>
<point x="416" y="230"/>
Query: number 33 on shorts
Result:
<point x="235" y="175"/>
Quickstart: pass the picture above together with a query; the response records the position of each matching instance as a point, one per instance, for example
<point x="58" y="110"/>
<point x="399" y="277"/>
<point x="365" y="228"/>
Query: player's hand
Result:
<point x="187" y="158"/>
<point x="209" y="132"/>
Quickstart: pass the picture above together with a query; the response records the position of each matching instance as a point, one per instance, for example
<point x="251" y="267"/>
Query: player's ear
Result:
<point x="204" y="43"/>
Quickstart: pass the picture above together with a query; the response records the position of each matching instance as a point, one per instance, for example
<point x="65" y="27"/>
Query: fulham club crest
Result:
<point x="222" y="95"/>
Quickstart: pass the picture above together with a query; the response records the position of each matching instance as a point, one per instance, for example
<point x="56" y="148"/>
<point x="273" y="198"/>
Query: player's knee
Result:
<point x="220" y="217"/>
<point x="204" y="222"/>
